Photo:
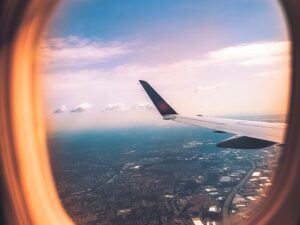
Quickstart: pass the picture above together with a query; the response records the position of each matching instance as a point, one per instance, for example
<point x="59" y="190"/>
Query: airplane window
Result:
<point x="165" y="112"/>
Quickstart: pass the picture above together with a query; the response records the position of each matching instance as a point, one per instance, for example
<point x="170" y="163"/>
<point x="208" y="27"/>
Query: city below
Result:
<point x="159" y="175"/>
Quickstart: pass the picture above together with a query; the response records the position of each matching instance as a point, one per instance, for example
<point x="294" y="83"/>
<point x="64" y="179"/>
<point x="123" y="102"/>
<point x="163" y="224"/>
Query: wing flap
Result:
<point x="245" y="143"/>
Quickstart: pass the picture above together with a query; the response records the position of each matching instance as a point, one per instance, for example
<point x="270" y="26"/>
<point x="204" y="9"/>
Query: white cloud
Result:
<point x="83" y="107"/>
<point x="209" y="87"/>
<point x="253" y="54"/>
<point x="76" y="51"/>
<point x="143" y="106"/>
<point x="121" y="107"/>
<point x="117" y="107"/>
<point x="61" y="109"/>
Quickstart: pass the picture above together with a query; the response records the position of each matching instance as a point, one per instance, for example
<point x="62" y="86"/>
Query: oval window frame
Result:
<point x="29" y="191"/>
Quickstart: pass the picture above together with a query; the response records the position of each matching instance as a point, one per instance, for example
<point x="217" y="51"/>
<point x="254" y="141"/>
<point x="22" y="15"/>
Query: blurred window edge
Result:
<point x="28" y="192"/>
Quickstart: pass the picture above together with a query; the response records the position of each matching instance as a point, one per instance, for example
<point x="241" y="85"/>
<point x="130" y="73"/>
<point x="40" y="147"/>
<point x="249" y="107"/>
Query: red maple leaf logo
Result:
<point x="163" y="107"/>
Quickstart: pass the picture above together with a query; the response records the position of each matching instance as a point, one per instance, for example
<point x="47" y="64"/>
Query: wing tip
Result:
<point x="161" y="105"/>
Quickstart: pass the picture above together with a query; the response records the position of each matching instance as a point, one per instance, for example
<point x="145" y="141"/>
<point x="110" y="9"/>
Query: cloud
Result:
<point x="252" y="54"/>
<point x="61" y="109"/>
<point x="121" y="107"/>
<point x="117" y="107"/>
<point x="209" y="87"/>
<point x="143" y="106"/>
<point x="74" y="51"/>
<point x="83" y="107"/>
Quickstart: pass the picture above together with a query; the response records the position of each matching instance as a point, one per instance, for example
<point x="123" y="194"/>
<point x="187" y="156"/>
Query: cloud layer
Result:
<point x="251" y="54"/>
<point x="74" y="51"/>
<point x="218" y="76"/>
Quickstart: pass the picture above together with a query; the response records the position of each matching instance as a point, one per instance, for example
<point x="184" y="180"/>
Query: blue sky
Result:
<point x="245" y="20"/>
<point x="211" y="24"/>
<point x="198" y="53"/>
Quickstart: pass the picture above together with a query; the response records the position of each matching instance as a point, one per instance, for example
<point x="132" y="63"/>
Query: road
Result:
<point x="235" y="190"/>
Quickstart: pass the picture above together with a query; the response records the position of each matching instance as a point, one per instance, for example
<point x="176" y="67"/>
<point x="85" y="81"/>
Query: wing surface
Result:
<point x="255" y="133"/>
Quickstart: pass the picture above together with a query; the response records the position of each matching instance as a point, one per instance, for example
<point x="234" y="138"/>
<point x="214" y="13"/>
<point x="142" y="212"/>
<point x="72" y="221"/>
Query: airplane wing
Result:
<point x="248" y="134"/>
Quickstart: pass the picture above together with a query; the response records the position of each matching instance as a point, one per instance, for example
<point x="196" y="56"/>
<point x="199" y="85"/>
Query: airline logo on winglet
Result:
<point x="162" y="106"/>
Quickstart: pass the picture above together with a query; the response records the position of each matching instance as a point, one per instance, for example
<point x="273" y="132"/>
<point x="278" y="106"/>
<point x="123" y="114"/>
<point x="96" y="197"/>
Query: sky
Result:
<point x="215" y="58"/>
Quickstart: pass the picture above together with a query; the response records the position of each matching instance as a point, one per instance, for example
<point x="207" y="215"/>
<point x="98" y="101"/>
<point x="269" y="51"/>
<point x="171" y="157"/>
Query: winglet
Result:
<point x="162" y="106"/>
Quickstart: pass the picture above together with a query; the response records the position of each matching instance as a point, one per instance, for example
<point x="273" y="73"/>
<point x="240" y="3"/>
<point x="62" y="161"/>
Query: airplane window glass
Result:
<point x="165" y="112"/>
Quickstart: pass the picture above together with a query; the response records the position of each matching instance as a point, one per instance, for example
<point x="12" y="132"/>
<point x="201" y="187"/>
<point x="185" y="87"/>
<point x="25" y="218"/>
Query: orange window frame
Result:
<point x="28" y="193"/>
